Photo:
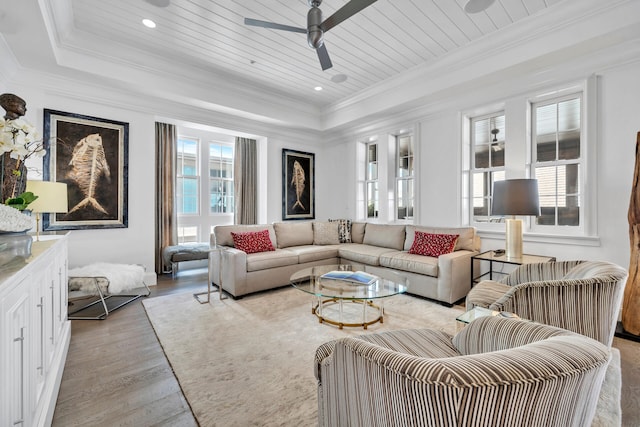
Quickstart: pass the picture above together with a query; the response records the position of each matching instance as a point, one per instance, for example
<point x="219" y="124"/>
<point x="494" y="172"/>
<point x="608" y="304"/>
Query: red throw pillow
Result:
<point x="428" y="244"/>
<point x="252" y="241"/>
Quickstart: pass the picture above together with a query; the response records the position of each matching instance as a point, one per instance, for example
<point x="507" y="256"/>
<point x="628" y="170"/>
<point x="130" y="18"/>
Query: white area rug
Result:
<point x="249" y="362"/>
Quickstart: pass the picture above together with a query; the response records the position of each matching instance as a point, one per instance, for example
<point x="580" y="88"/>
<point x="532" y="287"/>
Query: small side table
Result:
<point x="218" y="252"/>
<point x="491" y="257"/>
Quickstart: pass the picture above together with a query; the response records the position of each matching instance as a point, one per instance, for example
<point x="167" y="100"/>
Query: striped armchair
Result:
<point x="581" y="296"/>
<point x="496" y="371"/>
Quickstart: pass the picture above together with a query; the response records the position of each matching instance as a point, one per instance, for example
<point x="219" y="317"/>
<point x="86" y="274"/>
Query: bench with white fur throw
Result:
<point x="112" y="284"/>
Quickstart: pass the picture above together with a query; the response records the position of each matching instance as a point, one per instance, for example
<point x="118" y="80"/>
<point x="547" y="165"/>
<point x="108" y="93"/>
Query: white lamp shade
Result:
<point x="52" y="196"/>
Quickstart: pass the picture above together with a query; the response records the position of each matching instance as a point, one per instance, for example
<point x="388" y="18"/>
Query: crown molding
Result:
<point x="171" y="80"/>
<point x="120" y="97"/>
<point x="9" y="64"/>
<point x="573" y="24"/>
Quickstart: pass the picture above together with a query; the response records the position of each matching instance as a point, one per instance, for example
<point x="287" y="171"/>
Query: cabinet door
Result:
<point x="15" y="376"/>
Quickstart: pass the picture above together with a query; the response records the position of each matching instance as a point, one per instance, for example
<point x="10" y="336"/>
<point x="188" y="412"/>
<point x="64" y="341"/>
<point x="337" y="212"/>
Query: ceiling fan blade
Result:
<point x="345" y="12"/>
<point x="272" y="25"/>
<point x="323" y="56"/>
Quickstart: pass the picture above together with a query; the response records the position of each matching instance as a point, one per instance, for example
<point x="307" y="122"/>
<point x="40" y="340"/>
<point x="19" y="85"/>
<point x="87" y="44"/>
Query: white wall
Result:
<point x="439" y="121"/>
<point x="127" y="245"/>
<point x="440" y="158"/>
<point x="135" y="244"/>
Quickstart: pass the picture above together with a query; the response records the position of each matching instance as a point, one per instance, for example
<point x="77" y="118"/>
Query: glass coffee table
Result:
<point x="344" y="297"/>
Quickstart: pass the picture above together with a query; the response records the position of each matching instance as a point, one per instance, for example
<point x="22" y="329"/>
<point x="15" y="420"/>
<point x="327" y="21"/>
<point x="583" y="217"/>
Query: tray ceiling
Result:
<point x="383" y="41"/>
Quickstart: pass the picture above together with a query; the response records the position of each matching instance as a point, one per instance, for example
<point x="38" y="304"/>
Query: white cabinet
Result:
<point x="34" y="334"/>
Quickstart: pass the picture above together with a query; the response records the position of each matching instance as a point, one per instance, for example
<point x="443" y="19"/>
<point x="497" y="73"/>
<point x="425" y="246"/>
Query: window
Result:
<point x="404" y="177"/>
<point x="556" y="146"/>
<point x="371" y="181"/>
<point x="487" y="162"/>
<point x="200" y="200"/>
<point x="188" y="176"/>
<point x="221" y="178"/>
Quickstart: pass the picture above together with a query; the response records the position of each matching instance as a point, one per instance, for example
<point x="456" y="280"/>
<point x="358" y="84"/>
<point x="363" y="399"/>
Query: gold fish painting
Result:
<point x="88" y="164"/>
<point x="297" y="182"/>
<point x="298" y="185"/>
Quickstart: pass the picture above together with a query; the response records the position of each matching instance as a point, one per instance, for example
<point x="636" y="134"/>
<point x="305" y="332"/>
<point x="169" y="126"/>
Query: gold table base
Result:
<point x="318" y="309"/>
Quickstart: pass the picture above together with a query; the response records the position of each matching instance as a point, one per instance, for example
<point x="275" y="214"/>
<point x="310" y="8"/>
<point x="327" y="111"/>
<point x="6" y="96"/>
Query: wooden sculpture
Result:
<point x="631" y="304"/>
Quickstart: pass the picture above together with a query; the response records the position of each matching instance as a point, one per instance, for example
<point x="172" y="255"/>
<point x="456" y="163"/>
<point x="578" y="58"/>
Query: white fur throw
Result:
<point x="121" y="277"/>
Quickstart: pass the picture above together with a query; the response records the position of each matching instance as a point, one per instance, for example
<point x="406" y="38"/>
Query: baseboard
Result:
<point x="621" y="333"/>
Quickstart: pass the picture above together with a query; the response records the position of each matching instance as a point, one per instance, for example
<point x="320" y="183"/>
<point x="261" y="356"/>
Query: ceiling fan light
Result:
<point x="339" y="78"/>
<point x="476" y="6"/>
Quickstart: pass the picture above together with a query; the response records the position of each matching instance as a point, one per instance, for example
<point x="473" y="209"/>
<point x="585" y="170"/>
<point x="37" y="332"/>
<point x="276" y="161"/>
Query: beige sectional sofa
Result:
<point x="375" y="248"/>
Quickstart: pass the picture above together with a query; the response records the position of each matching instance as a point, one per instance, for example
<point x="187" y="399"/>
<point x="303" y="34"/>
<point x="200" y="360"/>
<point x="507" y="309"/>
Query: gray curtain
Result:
<point x="245" y="181"/>
<point x="166" y="218"/>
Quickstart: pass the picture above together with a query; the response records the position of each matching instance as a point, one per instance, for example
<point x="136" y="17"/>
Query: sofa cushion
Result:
<point x="385" y="235"/>
<point x="264" y="260"/>
<point x="434" y="245"/>
<point x="344" y="229"/>
<point x="310" y="253"/>
<point x="293" y="233"/>
<point x="466" y="239"/>
<point x="409" y="262"/>
<point x="364" y="254"/>
<point x="325" y="233"/>
<point x="252" y="241"/>
<point x="357" y="231"/>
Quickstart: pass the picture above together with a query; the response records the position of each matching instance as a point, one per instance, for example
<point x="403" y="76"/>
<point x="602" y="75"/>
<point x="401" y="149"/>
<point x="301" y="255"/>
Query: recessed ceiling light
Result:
<point x="475" y="6"/>
<point x="317" y="88"/>
<point x="339" y="78"/>
<point x="149" y="23"/>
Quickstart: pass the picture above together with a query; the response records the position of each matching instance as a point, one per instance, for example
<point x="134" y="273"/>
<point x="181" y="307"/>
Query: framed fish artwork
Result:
<point x="298" y="185"/>
<point x="90" y="155"/>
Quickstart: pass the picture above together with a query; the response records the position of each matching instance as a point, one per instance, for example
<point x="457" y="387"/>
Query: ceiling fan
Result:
<point x="316" y="27"/>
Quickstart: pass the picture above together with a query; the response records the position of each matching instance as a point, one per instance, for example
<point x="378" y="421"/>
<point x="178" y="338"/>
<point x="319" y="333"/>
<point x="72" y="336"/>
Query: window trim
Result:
<point x="197" y="176"/>
<point x="223" y="179"/>
<point x="408" y="178"/>
<point x="368" y="181"/>
<point x="471" y="118"/>
<point x="204" y="219"/>
<point x="589" y="87"/>
<point x="555" y="98"/>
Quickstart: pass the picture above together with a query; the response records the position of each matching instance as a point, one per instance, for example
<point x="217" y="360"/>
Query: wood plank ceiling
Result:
<point x="383" y="41"/>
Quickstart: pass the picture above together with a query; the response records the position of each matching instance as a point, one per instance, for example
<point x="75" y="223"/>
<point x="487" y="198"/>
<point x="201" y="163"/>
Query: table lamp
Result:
<point x="52" y="198"/>
<point x="515" y="197"/>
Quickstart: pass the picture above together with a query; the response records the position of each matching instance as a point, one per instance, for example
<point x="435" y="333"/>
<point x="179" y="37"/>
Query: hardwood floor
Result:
<point x="116" y="373"/>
